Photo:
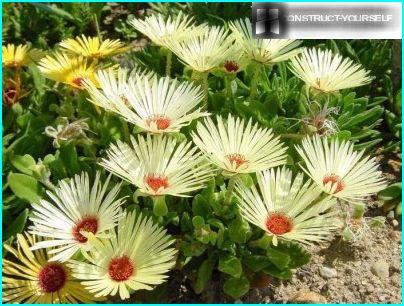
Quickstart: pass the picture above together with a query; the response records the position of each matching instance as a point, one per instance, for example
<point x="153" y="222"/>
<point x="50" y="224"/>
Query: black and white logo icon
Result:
<point x="268" y="20"/>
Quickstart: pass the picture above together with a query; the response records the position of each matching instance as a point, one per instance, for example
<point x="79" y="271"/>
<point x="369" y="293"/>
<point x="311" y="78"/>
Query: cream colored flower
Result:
<point x="204" y="52"/>
<point x="286" y="208"/>
<point x="323" y="71"/>
<point x="339" y="170"/>
<point x="75" y="208"/>
<point x="237" y="147"/>
<point x="164" y="30"/>
<point x="159" y="165"/>
<point x="265" y="51"/>
<point x="138" y="256"/>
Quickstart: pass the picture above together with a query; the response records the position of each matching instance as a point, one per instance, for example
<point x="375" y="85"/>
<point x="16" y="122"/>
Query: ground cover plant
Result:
<point x="142" y="140"/>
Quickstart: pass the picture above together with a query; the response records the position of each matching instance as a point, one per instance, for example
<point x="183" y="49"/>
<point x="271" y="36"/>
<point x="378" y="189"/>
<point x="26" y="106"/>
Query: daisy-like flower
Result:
<point x="138" y="256"/>
<point x="162" y="30"/>
<point x="284" y="208"/>
<point x="235" y="63"/>
<point x="206" y="51"/>
<point x="265" y="51"/>
<point x="339" y="170"/>
<point x="160" y="105"/>
<point x="71" y="71"/>
<point x="31" y="278"/>
<point x="18" y="56"/>
<point x="75" y="208"/>
<point x="323" y="71"/>
<point x="237" y="147"/>
<point x="92" y="47"/>
<point x="113" y="85"/>
<point x="159" y="165"/>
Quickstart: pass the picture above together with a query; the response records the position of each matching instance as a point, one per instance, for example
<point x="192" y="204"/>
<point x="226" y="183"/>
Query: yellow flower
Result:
<point x="71" y="71"/>
<point x="31" y="278"/>
<point x="19" y="56"/>
<point x="92" y="47"/>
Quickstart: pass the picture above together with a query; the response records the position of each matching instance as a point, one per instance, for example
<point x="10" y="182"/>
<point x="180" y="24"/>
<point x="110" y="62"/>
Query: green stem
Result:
<point x="159" y="206"/>
<point x="254" y="83"/>
<point x="230" y="189"/>
<point x="205" y="87"/>
<point x="97" y="27"/>
<point x="169" y="60"/>
<point x="227" y="84"/>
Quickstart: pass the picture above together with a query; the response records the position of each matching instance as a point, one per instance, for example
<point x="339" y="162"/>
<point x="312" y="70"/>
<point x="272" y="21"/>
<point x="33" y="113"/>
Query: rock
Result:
<point x="394" y="222"/>
<point x="238" y="301"/>
<point x="327" y="272"/>
<point x="390" y="215"/>
<point x="380" y="268"/>
<point x="308" y="297"/>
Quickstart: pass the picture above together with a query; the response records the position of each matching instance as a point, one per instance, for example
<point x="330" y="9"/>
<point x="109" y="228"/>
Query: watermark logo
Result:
<point x="305" y="20"/>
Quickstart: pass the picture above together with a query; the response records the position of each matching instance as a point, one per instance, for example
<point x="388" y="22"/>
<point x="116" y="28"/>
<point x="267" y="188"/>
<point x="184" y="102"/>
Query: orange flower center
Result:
<point x="278" y="223"/>
<point x="162" y="122"/>
<point x="79" y="81"/>
<point x="231" y="66"/>
<point x="335" y="180"/>
<point x="87" y="224"/>
<point x="121" y="269"/>
<point x="156" y="182"/>
<point x="52" y="277"/>
<point x="239" y="159"/>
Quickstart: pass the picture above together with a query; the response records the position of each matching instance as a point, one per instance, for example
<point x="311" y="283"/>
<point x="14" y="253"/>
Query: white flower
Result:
<point x="136" y="257"/>
<point x="266" y="51"/>
<point x="74" y="208"/>
<point x="204" y="52"/>
<point x="162" y="30"/>
<point x="284" y="208"/>
<point x="113" y="86"/>
<point x="239" y="148"/>
<point x="159" y="165"/>
<point x="161" y="105"/>
<point x="326" y="72"/>
<point x="339" y="170"/>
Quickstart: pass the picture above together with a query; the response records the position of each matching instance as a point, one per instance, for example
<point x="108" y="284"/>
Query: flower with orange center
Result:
<point x="159" y="165"/>
<point x="137" y="256"/>
<point x="74" y="71"/>
<point x="339" y="170"/>
<point x="236" y="147"/>
<point x="286" y="208"/>
<point x="74" y="210"/>
<point x="29" y="277"/>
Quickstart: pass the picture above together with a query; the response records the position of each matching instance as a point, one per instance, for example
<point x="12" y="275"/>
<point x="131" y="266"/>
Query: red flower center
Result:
<point x="87" y="224"/>
<point x="52" y="277"/>
<point x="335" y="180"/>
<point x="155" y="182"/>
<point x="120" y="269"/>
<point x="162" y="122"/>
<point x="236" y="158"/>
<point x="78" y="81"/>
<point x="231" y="66"/>
<point x="278" y="223"/>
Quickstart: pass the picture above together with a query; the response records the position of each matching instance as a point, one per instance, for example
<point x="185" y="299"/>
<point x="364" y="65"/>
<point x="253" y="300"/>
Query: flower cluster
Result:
<point x="85" y="244"/>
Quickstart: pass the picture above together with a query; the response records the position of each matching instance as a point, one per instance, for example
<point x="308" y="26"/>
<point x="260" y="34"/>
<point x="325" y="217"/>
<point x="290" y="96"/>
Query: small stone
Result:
<point x="327" y="272"/>
<point x="380" y="268"/>
<point x="390" y="215"/>
<point x="394" y="222"/>
<point x="308" y="297"/>
<point x="238" y="301"/>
